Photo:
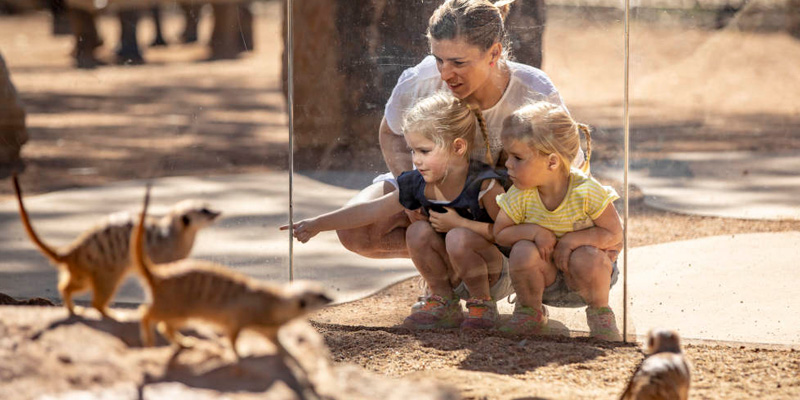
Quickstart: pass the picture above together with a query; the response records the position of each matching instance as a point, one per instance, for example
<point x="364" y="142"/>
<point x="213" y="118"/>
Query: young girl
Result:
<point x="454" y="249"/>
<point x="560" y="222"/>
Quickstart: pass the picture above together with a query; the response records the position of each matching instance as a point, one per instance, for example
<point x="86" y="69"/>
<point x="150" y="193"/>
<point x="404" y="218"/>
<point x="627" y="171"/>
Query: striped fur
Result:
<point x="664" y="374"/>
<point x="191" y="289"/>
<point x="99" y="258"/>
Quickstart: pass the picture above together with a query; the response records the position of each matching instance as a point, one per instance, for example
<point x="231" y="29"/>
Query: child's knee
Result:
<point x="460" y="241"/>
<point x="588" y="261"/>
<point x="525" y="256"/>
<point x="419" y="233"/>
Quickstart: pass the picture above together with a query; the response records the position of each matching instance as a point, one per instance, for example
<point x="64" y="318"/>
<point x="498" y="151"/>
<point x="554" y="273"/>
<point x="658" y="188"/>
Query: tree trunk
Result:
<point x="525" y="24"/>
<point x="793" y="17"/>
<point x="12" y="120"/>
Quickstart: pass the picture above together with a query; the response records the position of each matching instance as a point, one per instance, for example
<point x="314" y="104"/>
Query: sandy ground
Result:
<point x="180" y="116"/>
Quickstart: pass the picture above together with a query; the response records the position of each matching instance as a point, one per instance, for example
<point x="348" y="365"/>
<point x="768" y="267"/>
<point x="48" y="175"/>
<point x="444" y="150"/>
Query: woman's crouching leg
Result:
<point x="384" y="239"/>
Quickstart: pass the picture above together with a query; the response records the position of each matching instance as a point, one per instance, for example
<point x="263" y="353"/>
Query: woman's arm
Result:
<point x="395" y="150"/>
<point x="606" y="234"/>
<point x="348" y="217"/>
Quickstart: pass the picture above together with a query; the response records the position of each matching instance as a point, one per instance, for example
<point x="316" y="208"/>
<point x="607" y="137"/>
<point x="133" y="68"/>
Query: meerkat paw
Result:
<point x="109" y="314"/>
<point x="76" y="311"/>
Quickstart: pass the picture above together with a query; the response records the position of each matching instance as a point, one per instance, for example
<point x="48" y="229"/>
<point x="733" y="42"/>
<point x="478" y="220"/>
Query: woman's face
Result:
<point x="429" y="159"/>
<point x="464" y="67"/>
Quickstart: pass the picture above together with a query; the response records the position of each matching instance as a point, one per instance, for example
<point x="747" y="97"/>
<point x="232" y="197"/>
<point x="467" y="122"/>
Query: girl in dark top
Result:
<point x="454" y="249"/>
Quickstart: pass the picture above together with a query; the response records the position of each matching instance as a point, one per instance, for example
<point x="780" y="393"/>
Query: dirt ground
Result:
<point x="178" y="115"/>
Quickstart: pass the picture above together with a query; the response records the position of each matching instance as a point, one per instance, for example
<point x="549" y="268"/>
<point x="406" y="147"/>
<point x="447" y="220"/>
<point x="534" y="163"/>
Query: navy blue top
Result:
<point x="412" y="192"/>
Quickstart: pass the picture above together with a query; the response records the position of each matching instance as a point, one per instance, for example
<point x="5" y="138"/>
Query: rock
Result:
<point x="35" y="301"/>
<point x="44" y="353"/>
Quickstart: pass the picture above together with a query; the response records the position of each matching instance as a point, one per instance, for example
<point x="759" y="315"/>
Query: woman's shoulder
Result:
<point x="531" y="78"/>
<point x="421" y="74"/>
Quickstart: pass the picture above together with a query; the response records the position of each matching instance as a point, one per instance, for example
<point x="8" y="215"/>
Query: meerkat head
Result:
<point x="663" y="340"/>
<point x="306" y="296"/>
<point x="192" y="214"/>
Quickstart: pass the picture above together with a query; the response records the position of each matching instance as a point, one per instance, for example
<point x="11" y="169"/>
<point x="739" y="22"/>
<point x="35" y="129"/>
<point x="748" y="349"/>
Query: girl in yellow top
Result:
<point x="560" y="222"/>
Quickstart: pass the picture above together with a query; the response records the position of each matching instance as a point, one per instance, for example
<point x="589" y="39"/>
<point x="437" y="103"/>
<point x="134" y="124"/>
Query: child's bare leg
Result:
<point x="475" y="260"/>
<point x="427" y="250"/>
<point x="590" y="275"/>
<point x="530" y="274"/>
<point x="385" y="239"/>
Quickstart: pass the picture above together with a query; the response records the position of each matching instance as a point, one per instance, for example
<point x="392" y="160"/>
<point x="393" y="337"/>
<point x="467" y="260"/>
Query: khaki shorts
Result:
<point x="501" y="289"/>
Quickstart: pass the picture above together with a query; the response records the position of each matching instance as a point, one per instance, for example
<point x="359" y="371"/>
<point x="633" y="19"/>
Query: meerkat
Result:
<point x="664" y="374"/>
<point x="191" y="289"/>
<point x="99" y="258"/>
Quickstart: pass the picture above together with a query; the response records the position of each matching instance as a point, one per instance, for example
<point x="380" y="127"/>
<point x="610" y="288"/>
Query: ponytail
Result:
<point x="586" y="132"/>
<point x="484" y="131"/>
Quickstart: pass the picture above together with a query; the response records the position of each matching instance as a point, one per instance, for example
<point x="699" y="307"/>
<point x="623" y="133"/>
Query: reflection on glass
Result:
<point x="714" y="155"/>
<point x="186" y="96"/>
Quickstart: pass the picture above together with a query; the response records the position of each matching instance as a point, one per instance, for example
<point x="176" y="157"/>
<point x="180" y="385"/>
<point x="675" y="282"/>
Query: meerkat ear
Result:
<point x="302" y="303"/>
<point x="186" y="220"/>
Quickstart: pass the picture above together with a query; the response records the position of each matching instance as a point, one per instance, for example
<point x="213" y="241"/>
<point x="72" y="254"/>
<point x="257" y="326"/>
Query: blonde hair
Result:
<point x="478" y="22"/>
<point x="548" y="128"/>
<point x="442" y="118"/>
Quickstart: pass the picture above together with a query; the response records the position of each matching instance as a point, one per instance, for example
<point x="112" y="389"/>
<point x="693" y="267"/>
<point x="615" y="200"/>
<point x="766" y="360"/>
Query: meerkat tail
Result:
<point x="48" y="251"/>
<point x="138" y="256"/>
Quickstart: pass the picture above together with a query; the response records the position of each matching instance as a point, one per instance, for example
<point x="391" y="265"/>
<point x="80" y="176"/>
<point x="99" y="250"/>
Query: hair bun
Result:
<point x="504" y="6"/>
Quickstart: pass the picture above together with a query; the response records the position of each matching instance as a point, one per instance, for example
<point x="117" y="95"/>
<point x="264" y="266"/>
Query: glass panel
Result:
<point x="348" y="58"/>
<point x="714" y="159"/>
<point x="203" y="116"/>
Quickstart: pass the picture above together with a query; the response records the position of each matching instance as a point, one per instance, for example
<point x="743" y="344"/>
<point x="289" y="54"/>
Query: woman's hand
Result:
<point x="444" y="222"/>
<point x="303" y="230"/>
<point x="562" y="253"/>
<point x="545" y="241"/>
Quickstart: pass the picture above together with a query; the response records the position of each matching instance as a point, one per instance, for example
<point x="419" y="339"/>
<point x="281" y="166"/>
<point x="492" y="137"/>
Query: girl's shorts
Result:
<point x="501" y="289"/>
<point x="558" y="294"/>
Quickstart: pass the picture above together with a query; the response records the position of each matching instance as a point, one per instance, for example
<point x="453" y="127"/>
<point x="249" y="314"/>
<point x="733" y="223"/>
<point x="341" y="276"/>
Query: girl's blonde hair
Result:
<point x="442" y="118"/>
<point x="548" y="128"/>
<point x="478" y="22"/>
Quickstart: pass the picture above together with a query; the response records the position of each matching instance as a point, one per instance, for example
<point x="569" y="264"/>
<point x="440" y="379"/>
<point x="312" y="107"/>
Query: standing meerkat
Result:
<point x="99" y="258"/>
<point x="664" y="374"/>
<point x="200" y="290"/>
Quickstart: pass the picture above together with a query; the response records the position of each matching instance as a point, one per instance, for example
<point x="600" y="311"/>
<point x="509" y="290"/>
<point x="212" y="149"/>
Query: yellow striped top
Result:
<point x="585" y="201"/>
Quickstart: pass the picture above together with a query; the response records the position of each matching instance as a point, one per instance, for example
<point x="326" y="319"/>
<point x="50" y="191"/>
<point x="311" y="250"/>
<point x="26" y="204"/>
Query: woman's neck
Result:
<point x="451" y="185"/>
<point x="553" y="192"/>
<point x="492" y="91"/>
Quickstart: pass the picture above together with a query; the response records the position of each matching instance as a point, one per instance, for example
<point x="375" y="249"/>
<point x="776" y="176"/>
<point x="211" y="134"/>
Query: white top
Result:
<point x="526" y="84"/>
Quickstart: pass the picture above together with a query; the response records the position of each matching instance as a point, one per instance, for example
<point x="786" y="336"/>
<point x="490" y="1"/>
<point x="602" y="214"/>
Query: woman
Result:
<point x="468" y="57"/>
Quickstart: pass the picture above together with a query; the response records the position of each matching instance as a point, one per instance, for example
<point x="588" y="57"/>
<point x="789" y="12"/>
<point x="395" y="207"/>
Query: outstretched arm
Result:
<point x="348" y="217"/>
<point x="395" y="150"/>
